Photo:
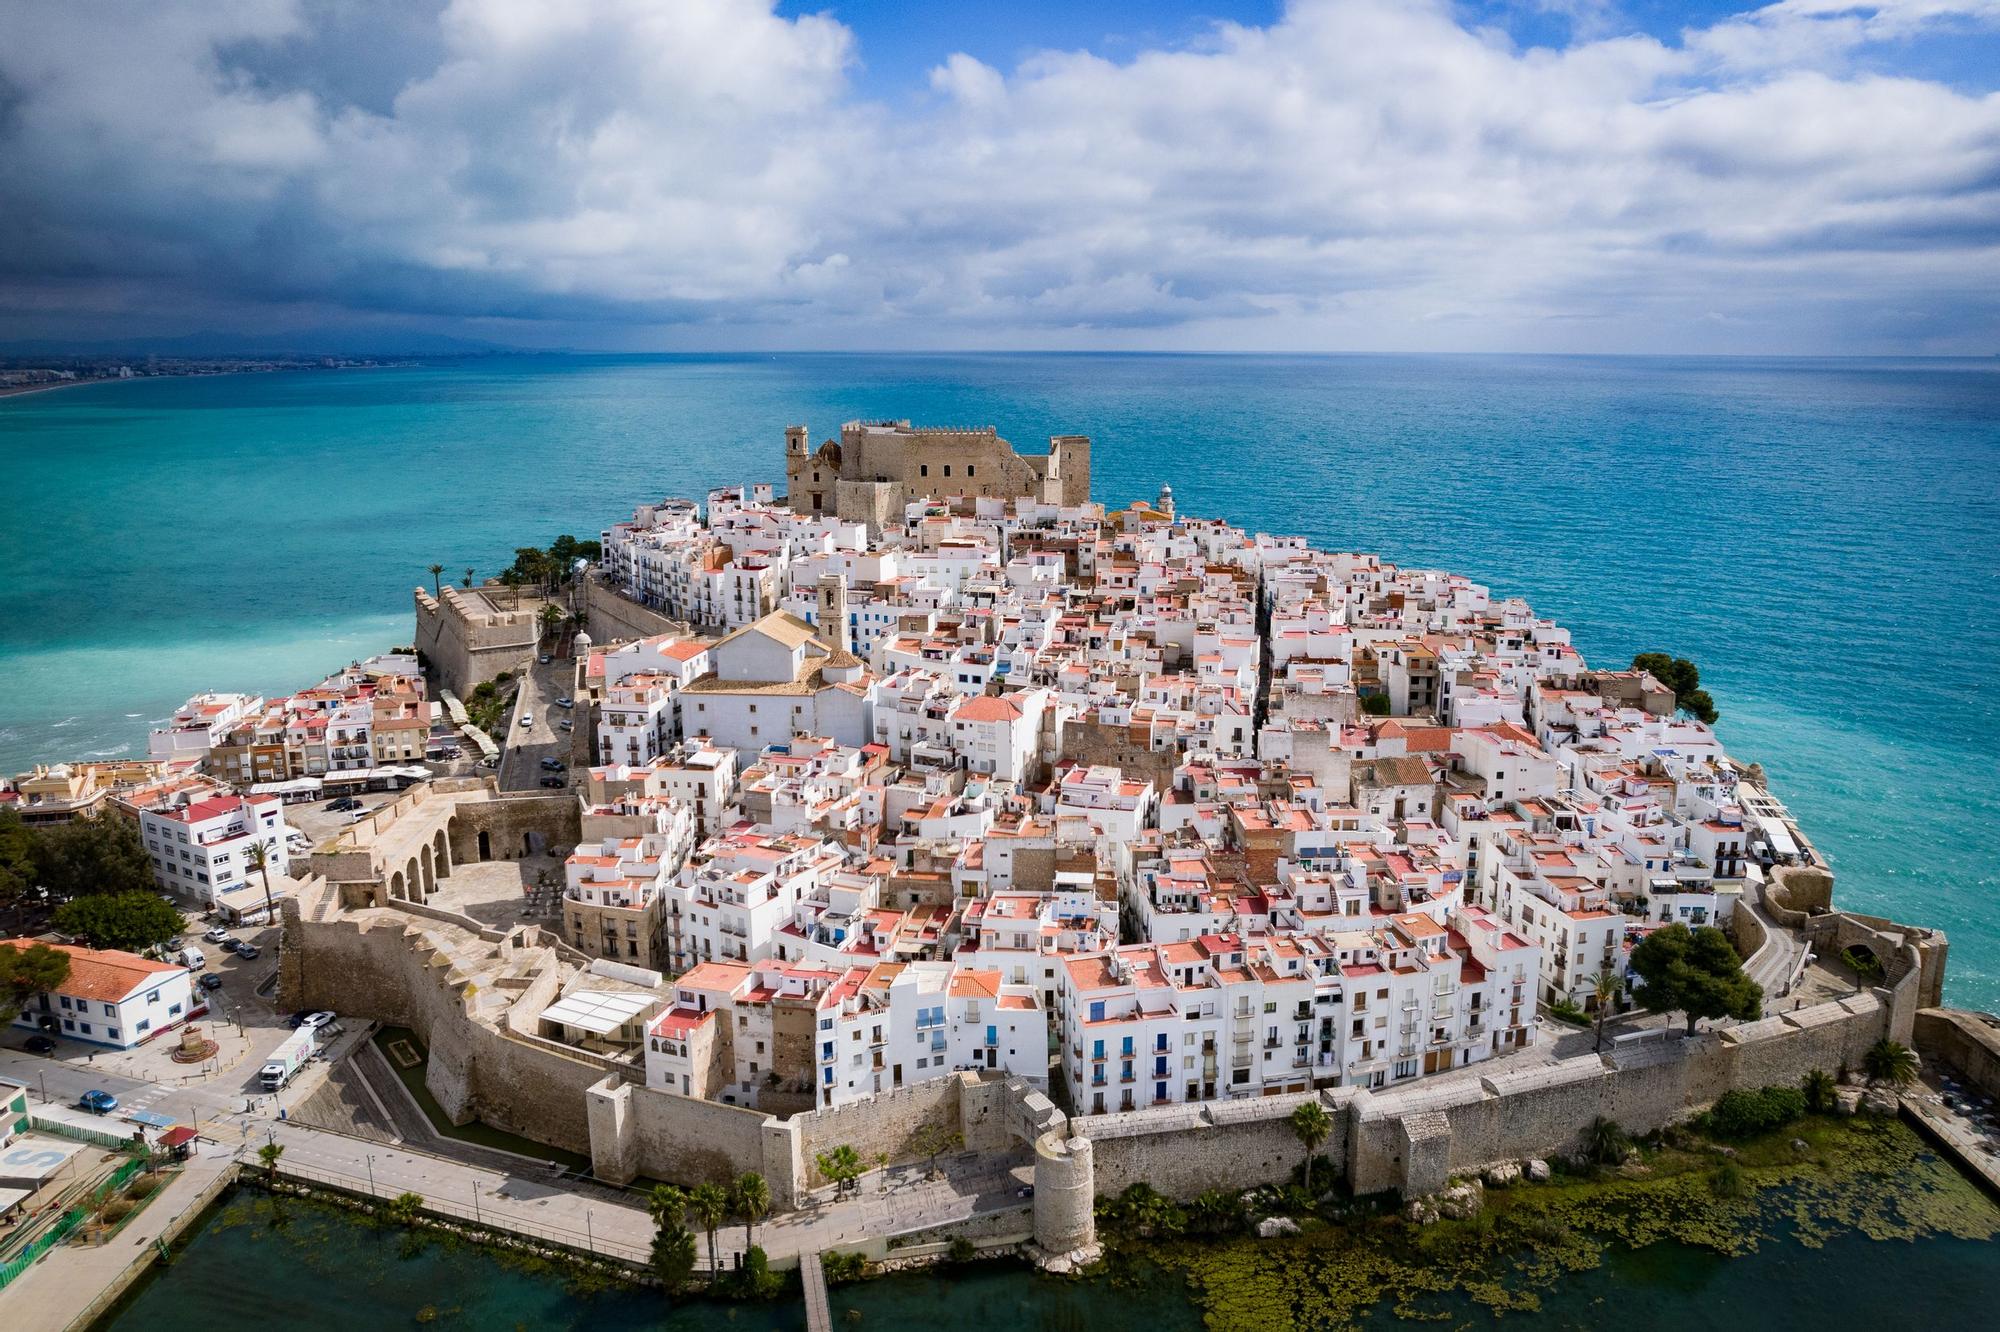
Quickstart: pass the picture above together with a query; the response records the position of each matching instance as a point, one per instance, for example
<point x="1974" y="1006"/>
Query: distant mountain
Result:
<point x="293" y="342"/>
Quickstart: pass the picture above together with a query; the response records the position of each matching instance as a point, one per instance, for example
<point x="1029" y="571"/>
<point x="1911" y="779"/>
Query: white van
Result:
<point x="192" y="959"/>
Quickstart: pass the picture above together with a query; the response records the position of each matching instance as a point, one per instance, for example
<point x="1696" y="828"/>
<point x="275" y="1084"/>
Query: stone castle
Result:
<point x="877" y="467"/>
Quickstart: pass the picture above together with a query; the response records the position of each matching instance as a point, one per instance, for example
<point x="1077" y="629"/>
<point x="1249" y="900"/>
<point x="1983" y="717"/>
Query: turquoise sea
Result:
<point x="1822" y="536"/>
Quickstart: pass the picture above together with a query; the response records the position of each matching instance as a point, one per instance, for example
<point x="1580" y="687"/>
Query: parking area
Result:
<point x="242" y="1023"/>
<point x="543" y="736"/>
<point x="318" y="820"/>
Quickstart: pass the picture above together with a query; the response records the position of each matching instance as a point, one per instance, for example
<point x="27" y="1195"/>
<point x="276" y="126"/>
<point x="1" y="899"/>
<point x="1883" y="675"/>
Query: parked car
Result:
<point x="211" y="981"/>
<point x="313" y="1021"/>
<point x="555" y="783"/>
<point x="248" y="952"/>
<point x="216" y="935"/>
<point x="493" y="762"/>
<point x="192" y="959"/>
<point x="566" y="725"/>
<point x="39" y="1045"/>
<point x="527" y="719"/>
<point x="545" y="659"/>
<point x="565" y="702"/>
<point x="97" y="1102"/>
<point x="230" y="943"/>
<point x="552" y="765"/>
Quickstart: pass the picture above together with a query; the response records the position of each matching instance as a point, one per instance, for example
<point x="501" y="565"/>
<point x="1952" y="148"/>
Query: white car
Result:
<point x="527" y="719"/>
<point x="216" y="935"/>
<point x="314" y="1021"/>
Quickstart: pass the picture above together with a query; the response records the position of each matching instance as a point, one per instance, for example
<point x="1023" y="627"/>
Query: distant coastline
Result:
<point x="197" y="369"/>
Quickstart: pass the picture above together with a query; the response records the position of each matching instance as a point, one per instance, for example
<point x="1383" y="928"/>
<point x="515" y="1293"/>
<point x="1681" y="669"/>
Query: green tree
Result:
<point x="841" y="1166"/>
<point x="667" y="1206"/>
<point x="130" y="921"/>
<point x="709" y="1204"/>
<point x="94" y="855"/>
<point x="511" y="580"/>
<point x="269" y="1154"/>
<point x="17" y="858"/>
<point x="404" y="1208"/>
<point x="552" y="618"/>
<point x="1695" y="972"/>
<point x="27" y="972"/>
<point x="673" y="1256"/>
<point x="260" y="859"/>
<point x="751" y="1197"/>
<point x="1375" y="705"/>
<point x="1604" y="991"/>
<point x="1820" y="1090"/>
<point x="466" y="581"/>
<point x="1890" y="1062"/>
<point x="1604" y="1142"/>
<point x="1684" y="678"/>
<point x="1310" y="1125"/>
<point x="436" y="588"/>
<point x="934" y="1140"/>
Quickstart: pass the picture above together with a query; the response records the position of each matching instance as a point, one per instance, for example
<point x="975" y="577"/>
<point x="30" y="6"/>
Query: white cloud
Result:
<point x="1361" y="173"/>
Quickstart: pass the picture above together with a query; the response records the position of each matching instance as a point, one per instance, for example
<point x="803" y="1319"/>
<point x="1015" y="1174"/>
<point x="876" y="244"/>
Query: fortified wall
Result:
<point x="473" y="994"/>
<point x="613" y="618"/>
<point x="877" y="467"/>
<point x="468" y="640"/>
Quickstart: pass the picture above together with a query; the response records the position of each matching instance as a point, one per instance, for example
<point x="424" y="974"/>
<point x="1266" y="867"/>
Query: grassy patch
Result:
<point x="408" y="1057"/>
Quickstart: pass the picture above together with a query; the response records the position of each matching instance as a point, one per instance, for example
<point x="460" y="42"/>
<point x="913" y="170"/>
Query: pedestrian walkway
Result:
<point x="819" y="1317"/>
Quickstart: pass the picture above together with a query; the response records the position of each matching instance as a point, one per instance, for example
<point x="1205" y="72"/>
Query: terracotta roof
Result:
<point x="103" y="974"/>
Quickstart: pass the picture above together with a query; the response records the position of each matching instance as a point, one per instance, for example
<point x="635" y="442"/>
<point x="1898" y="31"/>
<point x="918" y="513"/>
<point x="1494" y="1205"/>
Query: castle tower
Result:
<point x="797" y="441"/>
<point x="832" y="612"/>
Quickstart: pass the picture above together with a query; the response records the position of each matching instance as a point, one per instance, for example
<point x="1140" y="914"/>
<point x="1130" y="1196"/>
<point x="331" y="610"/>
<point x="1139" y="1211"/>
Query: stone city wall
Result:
<point x="467" y="644"/>
<point x="886" y="1122"/>
<point x="612" y="617"/>
<point x="1965" y="1041"/>
<point x="1184" y="1150"/>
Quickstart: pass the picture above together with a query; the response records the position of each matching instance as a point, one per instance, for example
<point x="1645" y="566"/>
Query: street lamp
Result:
<point x="371" y="1174"/>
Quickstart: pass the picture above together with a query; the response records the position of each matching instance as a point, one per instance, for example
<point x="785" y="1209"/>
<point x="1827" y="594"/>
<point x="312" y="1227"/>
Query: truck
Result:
<point x="287" y="1059"/>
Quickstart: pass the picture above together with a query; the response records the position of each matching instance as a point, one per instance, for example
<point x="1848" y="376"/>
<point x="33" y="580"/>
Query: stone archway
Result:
<point x="485" y="845"/>
<point x="429" y="868"/>
<point x="398" y="892"/>
<point x="441" y="854"/>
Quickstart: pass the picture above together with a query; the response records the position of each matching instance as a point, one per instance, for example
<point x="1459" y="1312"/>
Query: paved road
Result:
<point x="527" y="746"/>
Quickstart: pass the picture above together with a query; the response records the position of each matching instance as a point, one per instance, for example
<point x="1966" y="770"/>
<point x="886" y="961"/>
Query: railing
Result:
<point x="503" y="1222"/>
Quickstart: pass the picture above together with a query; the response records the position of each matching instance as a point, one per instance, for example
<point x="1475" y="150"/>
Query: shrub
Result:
<point x="1742" y="1114"/>
<point x="1564" y="1011"/>
<point x="961" y="1250"/>
<point x="755" y="1280"/>
<point x="841" y="1268"/>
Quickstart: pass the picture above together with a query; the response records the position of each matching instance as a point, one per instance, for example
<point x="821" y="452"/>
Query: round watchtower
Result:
<point x="1065" y="1194"/>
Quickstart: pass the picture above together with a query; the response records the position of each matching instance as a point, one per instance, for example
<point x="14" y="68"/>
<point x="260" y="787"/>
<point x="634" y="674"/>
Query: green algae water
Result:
<point x="1868" y="1227"/>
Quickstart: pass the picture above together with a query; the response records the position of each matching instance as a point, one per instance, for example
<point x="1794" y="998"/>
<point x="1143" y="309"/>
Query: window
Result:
<point x="947" y="469"/>
<point x="970" y="469"/>
<point x="923" y="469"/>
<point x="1097" y="1010"/>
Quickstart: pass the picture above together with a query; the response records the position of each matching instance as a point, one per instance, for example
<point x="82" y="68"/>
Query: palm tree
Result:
<point x="667" y="1205"/>
<point x="1311" y="1126"/>
<point x="1604" y="1142"/>
<point x="511" y="580"/>
<point x="436" y="569"/>
<point x="753" y="1200"/>
<point x="710" y="1205"/>
<point x="552" y="616"/>
<point x="1890" y="1061"/>
<point x="261" y="858"/>
<point x="1603" y="989"/>
<point x="269" y="1154"/>
<point x="403" y="1208"/>
<point x="673" y="1255"/>
<point x="1819" y="1087"/>
<point x="882" y="1172"/>
<point x="467" y="580"/>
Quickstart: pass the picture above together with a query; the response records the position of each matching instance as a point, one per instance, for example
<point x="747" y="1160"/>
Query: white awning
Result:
<point x="600" y="1012"/>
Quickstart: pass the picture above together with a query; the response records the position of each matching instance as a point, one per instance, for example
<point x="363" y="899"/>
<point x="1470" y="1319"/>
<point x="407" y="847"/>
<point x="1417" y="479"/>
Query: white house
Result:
<point x="110" y="998"/>
<point x="201" y="848"/>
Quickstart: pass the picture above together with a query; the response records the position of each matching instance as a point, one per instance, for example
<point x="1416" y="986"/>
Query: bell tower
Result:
<point x="832" y="613"/>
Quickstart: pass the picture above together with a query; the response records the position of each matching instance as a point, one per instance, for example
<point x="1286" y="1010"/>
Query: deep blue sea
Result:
<point x="1822" y="536"/>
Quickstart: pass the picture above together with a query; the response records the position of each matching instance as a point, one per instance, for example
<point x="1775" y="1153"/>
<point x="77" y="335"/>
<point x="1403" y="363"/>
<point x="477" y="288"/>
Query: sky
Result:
<point x="1806" y="177"/>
